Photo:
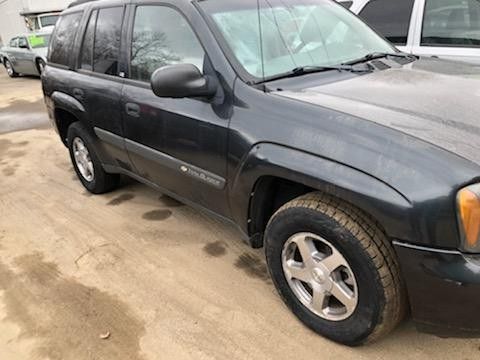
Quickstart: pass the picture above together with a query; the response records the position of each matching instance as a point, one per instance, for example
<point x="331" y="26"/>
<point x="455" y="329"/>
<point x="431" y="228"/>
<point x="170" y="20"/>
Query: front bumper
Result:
<point x="443" y="288"/>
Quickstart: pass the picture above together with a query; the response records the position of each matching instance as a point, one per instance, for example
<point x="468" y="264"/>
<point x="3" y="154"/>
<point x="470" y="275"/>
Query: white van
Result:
<point x="445" y="28"/>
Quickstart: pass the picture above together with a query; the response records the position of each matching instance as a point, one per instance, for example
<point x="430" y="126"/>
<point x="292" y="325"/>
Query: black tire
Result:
<point x="102" y="181"/>
<point x="13" y="73"/>
<point x="381" y="293"/>
<point x="40" y="66"/>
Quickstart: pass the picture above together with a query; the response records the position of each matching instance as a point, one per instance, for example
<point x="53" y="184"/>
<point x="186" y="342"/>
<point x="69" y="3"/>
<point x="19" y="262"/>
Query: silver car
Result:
<point x="25" y="54"/>
<point x="448" y="29"/>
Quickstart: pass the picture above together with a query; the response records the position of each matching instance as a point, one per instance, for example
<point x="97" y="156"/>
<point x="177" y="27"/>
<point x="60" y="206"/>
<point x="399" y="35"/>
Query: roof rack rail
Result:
<point x="79" y="2"/>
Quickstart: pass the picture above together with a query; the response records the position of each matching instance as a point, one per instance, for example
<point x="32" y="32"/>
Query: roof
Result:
<point x="79" y="2"/>
<point x="41" y="12"/>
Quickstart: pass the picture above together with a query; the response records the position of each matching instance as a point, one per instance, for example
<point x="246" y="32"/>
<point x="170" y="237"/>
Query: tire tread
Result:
<point x="374" y="241"/>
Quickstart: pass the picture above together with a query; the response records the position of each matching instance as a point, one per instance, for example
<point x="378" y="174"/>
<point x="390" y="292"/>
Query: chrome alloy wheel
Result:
<point x="319" y="276"/>
<point x="82" y="159"/>
<point x="9" y="68"/>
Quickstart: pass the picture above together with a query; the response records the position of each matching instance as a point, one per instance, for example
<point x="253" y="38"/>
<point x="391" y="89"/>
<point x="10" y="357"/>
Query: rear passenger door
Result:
<point x="98" y="82"/>
<point x="449" y="29"/>
<point x="392" y="19"/>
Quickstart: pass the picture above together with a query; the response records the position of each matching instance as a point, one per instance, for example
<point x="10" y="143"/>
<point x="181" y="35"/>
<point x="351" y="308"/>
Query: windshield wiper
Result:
<point x="379" y="55"/>
<point x="310" y="69"/>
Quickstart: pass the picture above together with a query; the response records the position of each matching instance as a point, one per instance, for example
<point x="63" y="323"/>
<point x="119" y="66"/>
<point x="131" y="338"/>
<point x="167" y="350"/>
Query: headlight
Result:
<point x="468" y="208"/>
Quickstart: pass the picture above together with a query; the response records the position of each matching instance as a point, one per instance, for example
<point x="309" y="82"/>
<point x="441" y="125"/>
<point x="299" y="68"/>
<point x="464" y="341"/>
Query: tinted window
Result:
<point x="162" y="36"/>
<point x="49" y="20"/>
<point x="64" y="38"/>
<point x="37" y="24"/>
<point x="451" y="23"/>
<point x="87" y="46"/>
<point x="391" y="18"/>
<point x="107" y="41"/>
<point x="347" y="4"/>
<point x="22" y="42"/>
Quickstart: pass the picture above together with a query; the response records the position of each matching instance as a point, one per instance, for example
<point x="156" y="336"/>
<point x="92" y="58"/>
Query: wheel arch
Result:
<point x="37" y="59"/>
<point x="272" y="175"/>
<point x="67" y="110"/>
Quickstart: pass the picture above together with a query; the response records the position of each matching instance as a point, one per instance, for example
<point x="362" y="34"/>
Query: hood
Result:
<point x="433" y="100"/>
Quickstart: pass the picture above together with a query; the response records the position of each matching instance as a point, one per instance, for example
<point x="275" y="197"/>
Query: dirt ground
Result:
<point x="158" y="279"/>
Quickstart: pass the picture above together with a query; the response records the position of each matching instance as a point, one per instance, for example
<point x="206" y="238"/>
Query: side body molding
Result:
<point x="375" y="197"/>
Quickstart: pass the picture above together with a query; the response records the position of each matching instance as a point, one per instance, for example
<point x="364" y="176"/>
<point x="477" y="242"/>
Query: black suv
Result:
<point x="355" y="166"/>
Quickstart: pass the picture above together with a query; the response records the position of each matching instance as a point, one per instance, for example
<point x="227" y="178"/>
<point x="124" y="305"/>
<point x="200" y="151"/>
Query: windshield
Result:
<point x="38" y="41"/>
<point x="48" y="20"/>
<point x="288" y="34"/>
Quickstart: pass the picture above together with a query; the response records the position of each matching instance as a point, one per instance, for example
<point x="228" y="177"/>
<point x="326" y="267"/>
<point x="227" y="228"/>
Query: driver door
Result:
<point x="24" y="57"/>
<point x="177" y="144"/>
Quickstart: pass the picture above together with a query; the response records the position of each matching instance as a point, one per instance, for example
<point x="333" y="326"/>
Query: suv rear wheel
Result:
<point x="335" y="269"/>
<point x="86" y="163"/>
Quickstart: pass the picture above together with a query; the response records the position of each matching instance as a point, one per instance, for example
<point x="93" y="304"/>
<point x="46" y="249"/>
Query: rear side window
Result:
<point x="62" y="44"/>
<point x="86" y="61"/>
<point x="391" y="18"/>
<point x="107" y="41"/>
<point x="14" y="42"/>
<point x="451" y="23"/>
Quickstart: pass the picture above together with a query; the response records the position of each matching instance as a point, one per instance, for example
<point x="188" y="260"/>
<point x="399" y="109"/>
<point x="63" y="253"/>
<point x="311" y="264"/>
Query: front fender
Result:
<point x="380" y="200"/>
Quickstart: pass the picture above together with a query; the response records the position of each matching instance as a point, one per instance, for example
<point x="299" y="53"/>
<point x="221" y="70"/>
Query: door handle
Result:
<point x="132" y="109"/>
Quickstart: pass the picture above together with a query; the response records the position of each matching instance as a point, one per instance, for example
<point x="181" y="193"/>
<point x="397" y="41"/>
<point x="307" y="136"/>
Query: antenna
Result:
<point x="261" y="40"/>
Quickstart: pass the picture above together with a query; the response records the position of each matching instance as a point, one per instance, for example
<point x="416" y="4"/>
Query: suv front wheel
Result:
<point x="86" y="162"/>
<point x="335" y="269"/>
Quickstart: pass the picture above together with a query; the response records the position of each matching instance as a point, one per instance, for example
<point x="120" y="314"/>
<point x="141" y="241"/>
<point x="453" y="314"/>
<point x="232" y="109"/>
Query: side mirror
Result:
<point x="181" y="81"/>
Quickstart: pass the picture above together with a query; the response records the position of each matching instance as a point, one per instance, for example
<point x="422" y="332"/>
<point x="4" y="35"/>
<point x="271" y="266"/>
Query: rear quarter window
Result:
<point x="61" y="46"/>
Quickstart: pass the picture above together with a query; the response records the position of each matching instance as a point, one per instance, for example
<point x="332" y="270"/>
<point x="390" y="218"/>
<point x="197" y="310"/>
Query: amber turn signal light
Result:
<point x="468" y="203"/>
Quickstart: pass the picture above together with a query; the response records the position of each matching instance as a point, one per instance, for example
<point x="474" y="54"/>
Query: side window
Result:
<point x="162" y="36"/>
<point x="13" y="42"/>
<point x="87" y="46"/>
<point x="22" y="43"/>
<point x="391" y="18"/>
<point x="107" y="41"/>
<point x="451" y="23"/>
<point x="62" y="45"/>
